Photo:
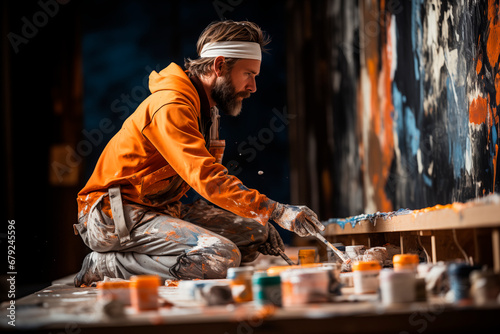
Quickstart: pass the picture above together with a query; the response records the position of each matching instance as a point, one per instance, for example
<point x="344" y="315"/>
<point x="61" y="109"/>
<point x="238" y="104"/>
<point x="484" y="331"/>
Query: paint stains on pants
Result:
<point x="184" y="242"/>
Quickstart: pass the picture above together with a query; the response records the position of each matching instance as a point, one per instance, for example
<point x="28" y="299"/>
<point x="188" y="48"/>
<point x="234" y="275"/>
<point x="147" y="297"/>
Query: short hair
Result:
<point x="220" y="31"/>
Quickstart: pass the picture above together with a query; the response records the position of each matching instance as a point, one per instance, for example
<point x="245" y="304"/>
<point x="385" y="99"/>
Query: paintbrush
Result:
<point x="344" y="258"/>
<point x="285" y="257"/>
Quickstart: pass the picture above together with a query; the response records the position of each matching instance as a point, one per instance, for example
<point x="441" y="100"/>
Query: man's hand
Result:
<point x="274" y="242"/>
<point x="298" y="219"/>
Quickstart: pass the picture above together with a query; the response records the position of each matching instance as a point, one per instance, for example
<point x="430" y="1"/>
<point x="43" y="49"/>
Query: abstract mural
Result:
<point x="416" y="98"/>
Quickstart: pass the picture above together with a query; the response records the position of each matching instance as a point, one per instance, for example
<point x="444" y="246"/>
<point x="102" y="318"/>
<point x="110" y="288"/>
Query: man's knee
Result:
<point x="210" y="262"/>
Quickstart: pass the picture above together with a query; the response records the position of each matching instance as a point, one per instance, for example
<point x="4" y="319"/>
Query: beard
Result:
<point x="224" y="95"/>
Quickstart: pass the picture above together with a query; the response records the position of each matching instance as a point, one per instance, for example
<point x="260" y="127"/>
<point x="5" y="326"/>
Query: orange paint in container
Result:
<point x="241" y="283"/>
<point x="307" y="256"/>
<point x="144" y="292"/>
<point x="119" y="290"/>
<point x="405" y="262"/>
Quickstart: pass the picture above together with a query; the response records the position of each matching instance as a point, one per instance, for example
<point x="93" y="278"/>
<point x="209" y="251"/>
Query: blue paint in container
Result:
<point x="266" y="289"/>
<point x="460" y="284"/>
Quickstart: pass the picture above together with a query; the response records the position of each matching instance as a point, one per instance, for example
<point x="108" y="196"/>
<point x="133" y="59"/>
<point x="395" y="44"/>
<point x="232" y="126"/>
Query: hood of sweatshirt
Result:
<point x="173" y="78"/>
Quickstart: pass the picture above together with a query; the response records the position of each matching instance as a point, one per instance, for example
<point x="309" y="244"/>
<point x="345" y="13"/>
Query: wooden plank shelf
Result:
<point x="457" y="216"/>
<point x="481" y="213"/>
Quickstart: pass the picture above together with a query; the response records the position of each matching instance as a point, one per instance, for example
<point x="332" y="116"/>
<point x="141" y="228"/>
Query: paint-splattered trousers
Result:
<point x="186" y="241"/>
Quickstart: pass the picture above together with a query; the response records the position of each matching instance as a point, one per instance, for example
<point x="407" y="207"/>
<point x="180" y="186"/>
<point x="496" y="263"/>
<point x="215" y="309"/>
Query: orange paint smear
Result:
<point x="171" y="235"/>
<point x="382" y="110"/>
<point x="479" y="65"/>
<point x="497" y="88"/>
<point x="172" y="283"/>
<point x="457" y="207"/>
<point x="495" y="165"/>
<point x="478" y="111"/>
<point x="493" y="43"/>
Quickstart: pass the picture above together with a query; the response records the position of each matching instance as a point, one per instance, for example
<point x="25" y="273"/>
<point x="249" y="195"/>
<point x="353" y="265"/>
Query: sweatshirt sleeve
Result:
<point x="174" y="132"/>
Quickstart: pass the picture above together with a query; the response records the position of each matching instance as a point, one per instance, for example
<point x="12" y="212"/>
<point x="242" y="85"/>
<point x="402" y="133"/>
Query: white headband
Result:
<point x="232" y="49"/>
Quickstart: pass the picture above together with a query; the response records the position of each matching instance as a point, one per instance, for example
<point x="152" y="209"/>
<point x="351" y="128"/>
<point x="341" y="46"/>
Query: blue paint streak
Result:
<point x="494" y="137"/>
<point x="370" y="217"/>
<point x="412" y="132"/>
<point x="427" y="180"/>
<point x="458" y="130"/>
<point x="416" y="35"/>
<point x="397" y="100"/>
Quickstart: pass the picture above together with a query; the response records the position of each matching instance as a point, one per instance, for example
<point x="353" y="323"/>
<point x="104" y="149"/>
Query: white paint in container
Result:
<point x="365" y="276"/>
<point x="397" y="286"/>
<point x="303" y="286"/>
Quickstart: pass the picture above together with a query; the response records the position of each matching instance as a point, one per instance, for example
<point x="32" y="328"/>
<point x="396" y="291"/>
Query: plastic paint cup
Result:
<point x="307" y="256"/>
<point x="365" y="276"/>
<point x="144" y="292"/>
<point x="241" y="283"/>
<point x="118" y="290"/>
<point x="405" y="262"/>
<point x="397" y="286"/>
<point x="458" y="274"/>
<point x="303" y="286"/>
<point x="266" y="289"/>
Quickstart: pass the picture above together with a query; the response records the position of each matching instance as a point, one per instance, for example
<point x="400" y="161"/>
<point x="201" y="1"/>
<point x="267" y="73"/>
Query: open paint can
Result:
<point x="304" y="286"/>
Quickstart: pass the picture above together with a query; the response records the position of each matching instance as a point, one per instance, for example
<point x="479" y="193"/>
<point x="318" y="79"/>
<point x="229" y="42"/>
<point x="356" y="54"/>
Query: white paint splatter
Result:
<point x="205" y="241"/>
<point x="393" y="51"/>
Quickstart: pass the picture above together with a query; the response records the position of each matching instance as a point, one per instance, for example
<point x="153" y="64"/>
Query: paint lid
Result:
<point x="276" y="270"/>
<point x="307" y="252"/>
<point x="266" y="280"/>
<point x="403" y="259"/>
<point x="239" y="271"/>
<point x="144" y="281"/>
<point x="366" y="265"/>
<point x="113" y="285"/>
<point x="460" y="269"/>
<point x="391" y="274"/>
<point x="260" y="273"/>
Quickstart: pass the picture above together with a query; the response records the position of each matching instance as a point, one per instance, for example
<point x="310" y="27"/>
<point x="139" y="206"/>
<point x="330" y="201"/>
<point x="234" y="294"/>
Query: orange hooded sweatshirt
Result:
<point x="160" y="152"/>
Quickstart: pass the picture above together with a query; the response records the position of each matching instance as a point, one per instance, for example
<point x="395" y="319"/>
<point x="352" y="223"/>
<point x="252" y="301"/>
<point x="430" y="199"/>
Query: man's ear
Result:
<point x="219" y="65"/>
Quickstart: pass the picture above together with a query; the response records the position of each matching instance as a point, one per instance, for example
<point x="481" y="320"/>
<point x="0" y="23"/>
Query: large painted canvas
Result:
<point x="416" y="96"/>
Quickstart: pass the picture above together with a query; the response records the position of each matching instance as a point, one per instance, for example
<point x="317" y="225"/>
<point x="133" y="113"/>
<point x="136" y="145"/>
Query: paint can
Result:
<point x="307" y="256"/>
<point x="144" y="292"/>
<point x="485" y="287"/>
<point x="365" y="276"/>
<point x="266" y="289"/>
<point x="304" y="286"/>
<point x="397" y="286"/>
<point x="459" y="277"/>
<point x="405" y="262"/>
<point x="241" y="283"/>
<point x="114" y="290"/>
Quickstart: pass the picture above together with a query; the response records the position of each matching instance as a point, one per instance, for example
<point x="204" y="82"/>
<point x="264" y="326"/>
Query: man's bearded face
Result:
<point x="225" y="96"/>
